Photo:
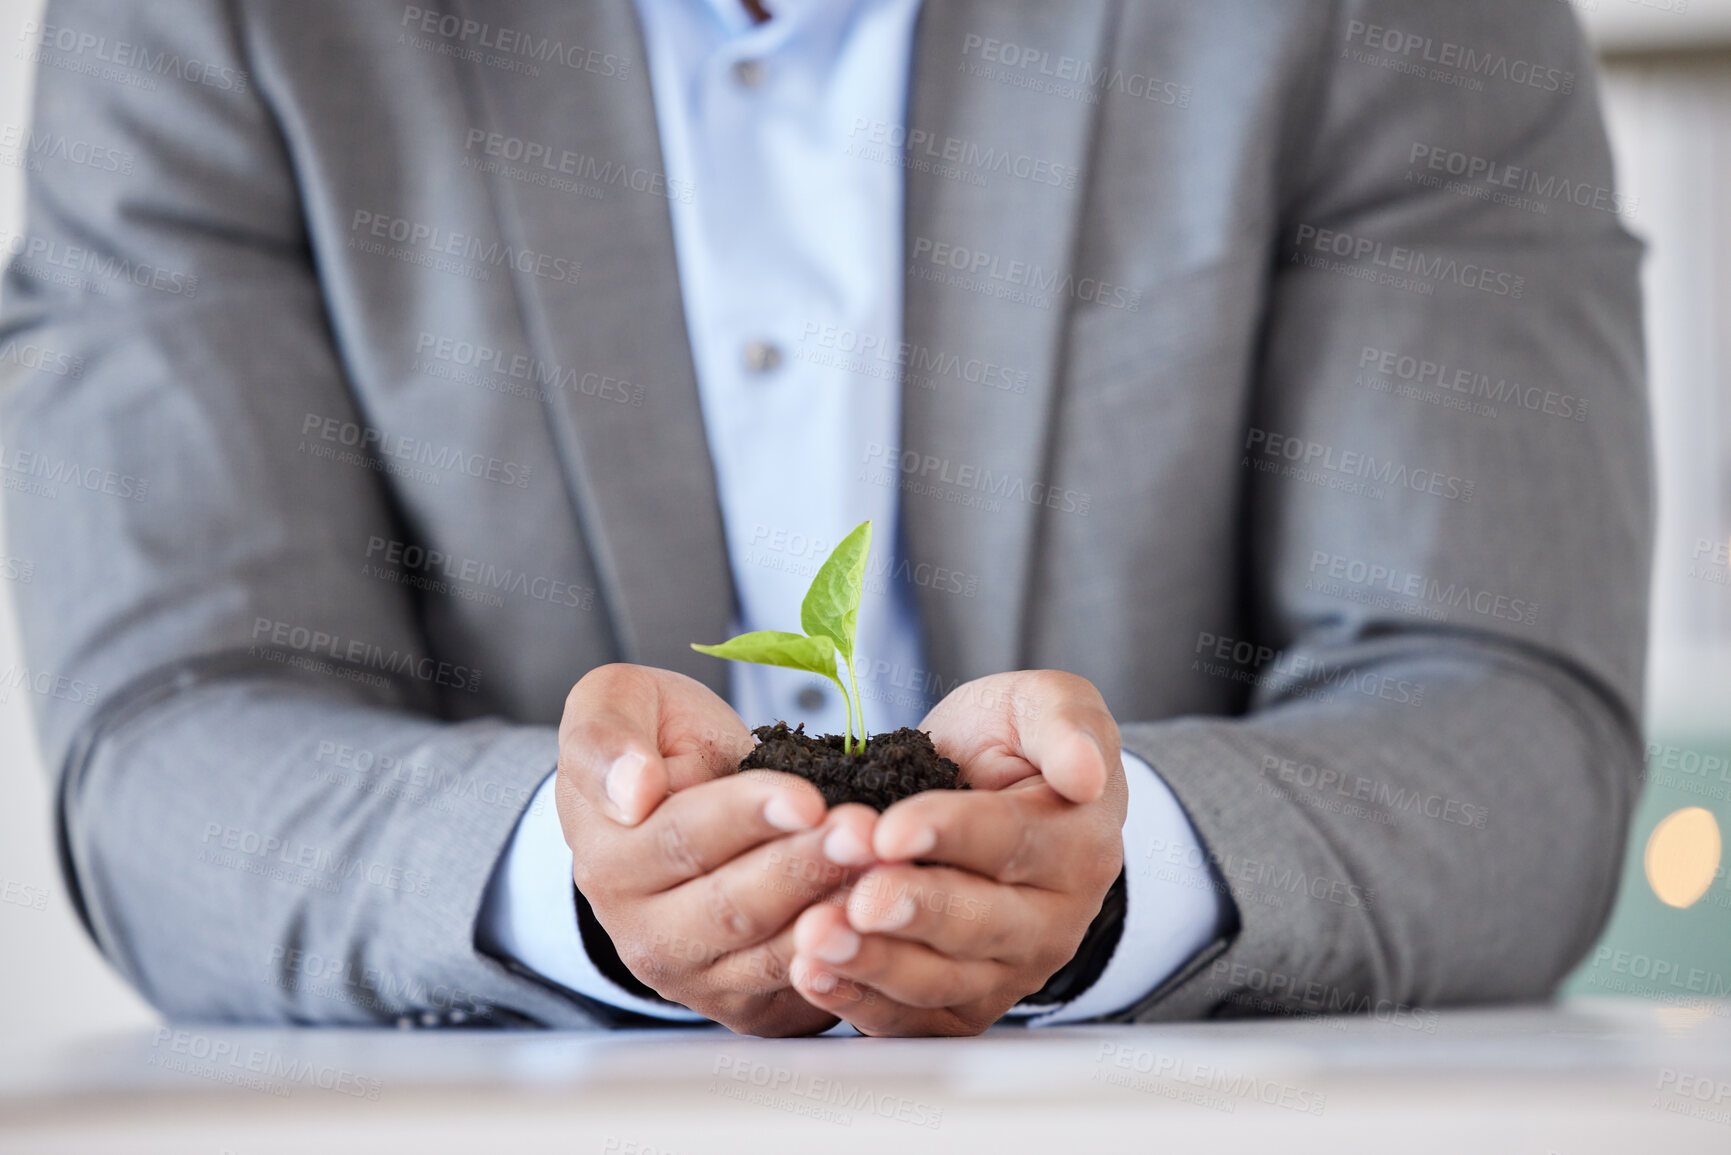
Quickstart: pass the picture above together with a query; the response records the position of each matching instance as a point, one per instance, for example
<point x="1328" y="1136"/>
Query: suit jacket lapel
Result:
<point x="640" y="474"/>
<point x="1008" y="234"/>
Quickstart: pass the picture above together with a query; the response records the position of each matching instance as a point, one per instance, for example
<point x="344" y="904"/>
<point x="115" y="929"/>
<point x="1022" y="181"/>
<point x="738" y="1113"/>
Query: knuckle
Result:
<point x="586" y="875"/>
<point x="1021" y="858"/>
<point x="999" y="940"/>
<point x="753" y="973"/>
<point x="593" y="684"/>
<point x="775" y="964"/>
<point x="649" y="965"/>
<point x="673" y="843"/>
<point x="734" y="921"/>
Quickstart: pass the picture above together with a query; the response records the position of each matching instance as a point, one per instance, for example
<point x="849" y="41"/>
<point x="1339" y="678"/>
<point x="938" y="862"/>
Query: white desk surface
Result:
<point x="1586" y="1076"/>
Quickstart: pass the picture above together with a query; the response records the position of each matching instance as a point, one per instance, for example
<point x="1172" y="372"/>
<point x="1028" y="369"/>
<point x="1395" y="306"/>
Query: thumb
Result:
<point x="1072" y="760"/>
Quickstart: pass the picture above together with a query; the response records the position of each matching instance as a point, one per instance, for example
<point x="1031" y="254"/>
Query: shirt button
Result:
<point x="812" y="698"/>
<point x="749" y="73"/>
<point x="762" y="357"/>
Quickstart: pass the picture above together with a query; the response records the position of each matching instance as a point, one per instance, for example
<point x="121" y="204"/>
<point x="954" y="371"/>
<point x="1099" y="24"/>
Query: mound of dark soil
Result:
<point x="894" y="765"/>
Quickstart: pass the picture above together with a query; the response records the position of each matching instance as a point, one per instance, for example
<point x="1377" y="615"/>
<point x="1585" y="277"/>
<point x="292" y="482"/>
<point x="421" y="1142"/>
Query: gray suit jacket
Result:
<point x="354" y="435"/>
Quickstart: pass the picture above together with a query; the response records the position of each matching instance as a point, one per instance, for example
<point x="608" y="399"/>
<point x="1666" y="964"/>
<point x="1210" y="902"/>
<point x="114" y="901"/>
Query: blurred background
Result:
<point x="1667" y="82"/>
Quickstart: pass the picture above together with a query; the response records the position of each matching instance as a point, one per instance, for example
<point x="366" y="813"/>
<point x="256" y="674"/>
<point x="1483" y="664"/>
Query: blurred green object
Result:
<point x="1651" y="950"/>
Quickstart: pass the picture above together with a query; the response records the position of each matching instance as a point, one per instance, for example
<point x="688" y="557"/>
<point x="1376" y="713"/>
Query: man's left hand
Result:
<point x="980" y="896"/>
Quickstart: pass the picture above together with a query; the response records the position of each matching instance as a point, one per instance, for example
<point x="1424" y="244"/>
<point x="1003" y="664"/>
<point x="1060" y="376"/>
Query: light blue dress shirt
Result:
<point x="792" y="236"/>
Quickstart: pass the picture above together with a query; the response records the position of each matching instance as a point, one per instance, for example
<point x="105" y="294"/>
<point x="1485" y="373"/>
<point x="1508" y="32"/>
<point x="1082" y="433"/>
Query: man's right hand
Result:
<point x="695" y="870"/>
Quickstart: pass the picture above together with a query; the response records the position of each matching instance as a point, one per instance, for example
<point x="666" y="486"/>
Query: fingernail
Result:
<point x="893" y="917"/>
<point x="921" y="842"/>
<point x="823" y="982"/>
<point x="781" y="813"/>
<point x="844" y="848"/>
<point x="622" y="779"/>
<point x="839" y="945"/>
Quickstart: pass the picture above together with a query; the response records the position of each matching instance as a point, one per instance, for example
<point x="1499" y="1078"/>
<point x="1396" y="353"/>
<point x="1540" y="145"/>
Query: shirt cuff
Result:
<point x="1170" y="914"/>
<point x="528" y="914"/>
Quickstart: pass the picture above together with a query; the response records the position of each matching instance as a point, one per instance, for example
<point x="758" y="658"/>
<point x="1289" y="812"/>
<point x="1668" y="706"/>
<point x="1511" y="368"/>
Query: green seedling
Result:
<point x="830" y="617"/>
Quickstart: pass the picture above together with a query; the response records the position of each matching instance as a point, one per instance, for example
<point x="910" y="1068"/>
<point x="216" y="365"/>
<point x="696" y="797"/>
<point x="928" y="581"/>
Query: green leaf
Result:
<point x="831" y="607"/>
<point x="775" y="648"/>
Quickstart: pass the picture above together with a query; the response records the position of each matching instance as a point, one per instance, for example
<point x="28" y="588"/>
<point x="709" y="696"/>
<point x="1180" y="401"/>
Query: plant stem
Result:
<point x="861" y="700"/>
<point x="848" y="745"/>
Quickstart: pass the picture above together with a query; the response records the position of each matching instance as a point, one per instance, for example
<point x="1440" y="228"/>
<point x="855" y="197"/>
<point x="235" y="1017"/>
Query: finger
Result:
<point x="1025" y="835"/>
<point x="697" y="830"/>
<point x="747" y="991"/>
<point x="631" y="734"/>
<point x="758" y="981"/>
<point x="1048" y="719"/>
<point x="756" y="971"/>
<point x="829" y="993"/>
<point x="754" y="896"/>
<point x="912" y="974"/>
<point x="955" y="912"/>
<point x="885" y="986"/>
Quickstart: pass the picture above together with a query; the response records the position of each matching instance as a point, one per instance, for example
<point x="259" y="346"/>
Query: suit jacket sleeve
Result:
<point x="268" y="812"/>
<point x="1428" y="799"/>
